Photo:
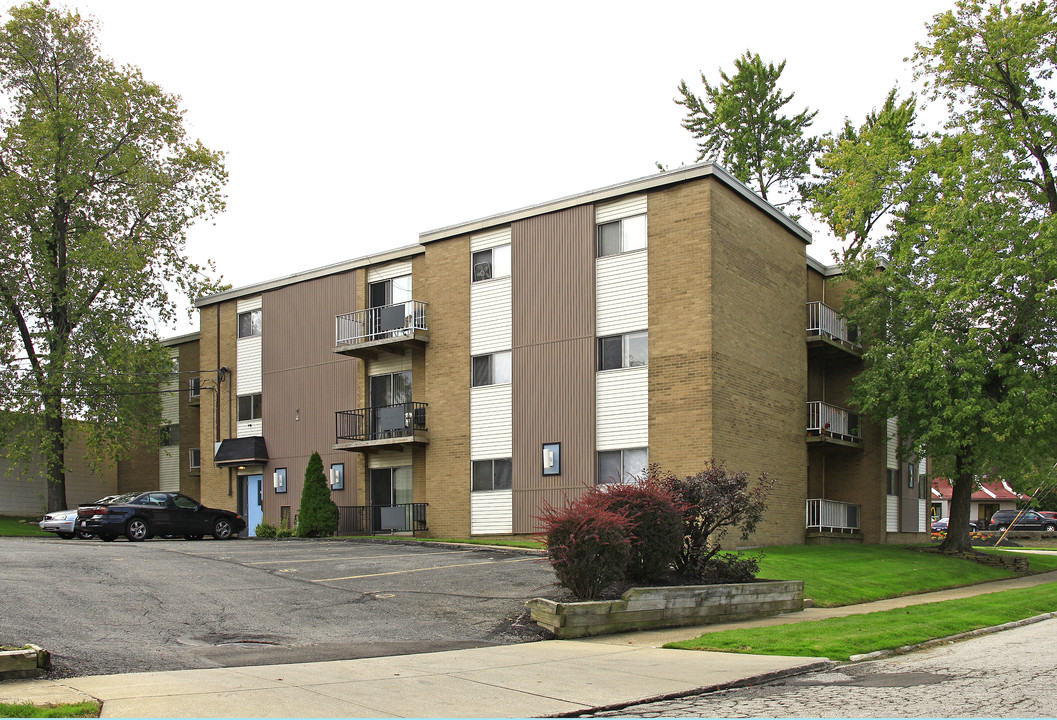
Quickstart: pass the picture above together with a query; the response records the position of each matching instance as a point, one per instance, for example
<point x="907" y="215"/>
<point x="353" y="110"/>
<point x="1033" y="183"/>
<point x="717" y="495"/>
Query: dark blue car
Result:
<point x="159" y="513"/>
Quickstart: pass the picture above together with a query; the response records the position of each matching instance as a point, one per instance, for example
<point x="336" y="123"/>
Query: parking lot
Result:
<point x="176" y="604"/>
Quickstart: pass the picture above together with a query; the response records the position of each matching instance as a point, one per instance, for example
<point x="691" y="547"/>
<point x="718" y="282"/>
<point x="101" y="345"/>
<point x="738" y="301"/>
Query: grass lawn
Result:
<point x="836" y="575"/>
<point x="27" y="710"/>
<point x="11" y="526"/>
<point x="840" y="638"/>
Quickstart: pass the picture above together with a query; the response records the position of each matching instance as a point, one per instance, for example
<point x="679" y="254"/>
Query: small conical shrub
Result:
<point x="318" y="515"/>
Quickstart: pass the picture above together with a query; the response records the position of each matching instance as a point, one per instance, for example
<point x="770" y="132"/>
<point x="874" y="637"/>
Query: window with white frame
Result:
<point x="194" y="458"/>
<point x="491" y="369"/>
<point x="623" y="351"/>
<point x="491" y="263"/>
<point x="170" y="435"/>
<point x="195" y="387"/>
<point x="249" y="407"/>
<point x="492" y="475"/>
<point x="617" y="466"/>
<point x="250" y="323"/>
<point x="622" y="235"/>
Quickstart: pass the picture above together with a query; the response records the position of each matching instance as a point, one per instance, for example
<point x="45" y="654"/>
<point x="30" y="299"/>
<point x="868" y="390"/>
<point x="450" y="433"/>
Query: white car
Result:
<point x="64" y="524"/>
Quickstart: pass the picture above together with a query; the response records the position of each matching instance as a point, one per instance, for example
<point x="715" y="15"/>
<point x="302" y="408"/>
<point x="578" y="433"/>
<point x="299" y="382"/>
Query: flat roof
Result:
<point x="650" y="182"/>
<point x="345" y="265"/>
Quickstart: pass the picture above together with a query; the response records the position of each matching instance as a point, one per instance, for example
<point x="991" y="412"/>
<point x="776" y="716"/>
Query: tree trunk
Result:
<point x="957" y="540"/>
<point x="54" y="447"/>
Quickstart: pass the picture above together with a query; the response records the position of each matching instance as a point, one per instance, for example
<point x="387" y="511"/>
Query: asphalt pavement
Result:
<point x="556" y="677"/>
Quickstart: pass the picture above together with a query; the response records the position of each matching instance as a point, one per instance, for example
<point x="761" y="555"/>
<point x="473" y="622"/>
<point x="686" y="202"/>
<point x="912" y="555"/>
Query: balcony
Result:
<point x="827" y="516"/>
<point x="829" y="335"/>
<point x="382" y="519"/>
<point x="385" y="426"/>
<point x="395" y="328"/>
<point x="833" y="425"/>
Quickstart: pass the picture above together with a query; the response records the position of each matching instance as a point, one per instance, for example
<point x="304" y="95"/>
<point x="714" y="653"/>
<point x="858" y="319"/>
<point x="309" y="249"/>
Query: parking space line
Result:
<point x="437" y="567"/>
<point x="354" y="557"/>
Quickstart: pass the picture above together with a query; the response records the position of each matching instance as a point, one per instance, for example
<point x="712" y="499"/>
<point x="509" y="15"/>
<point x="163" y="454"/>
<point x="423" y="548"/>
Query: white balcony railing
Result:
<point x="380" y="323"/>
<point x="824" y="320"/>
<point x="832" y="516"/>
<point x="829" y="421"/>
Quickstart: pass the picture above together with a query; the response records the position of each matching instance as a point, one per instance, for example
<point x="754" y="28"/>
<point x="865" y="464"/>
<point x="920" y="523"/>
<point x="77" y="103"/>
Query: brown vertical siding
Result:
<point x="304" y="383"/>
<point x="553" y="357"/>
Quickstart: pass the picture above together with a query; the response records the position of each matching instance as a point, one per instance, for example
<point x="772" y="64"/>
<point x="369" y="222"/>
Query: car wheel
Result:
<point x="85" y="535"/>
<point x="222" y="529"/>
<point x="137" y="529"/>
<point x="999" y="528"/>
<point x="108" y="538"/>
<point x="1050" y="528"/>
<point x="66" y="536"/>
<point x="192" y="537"/>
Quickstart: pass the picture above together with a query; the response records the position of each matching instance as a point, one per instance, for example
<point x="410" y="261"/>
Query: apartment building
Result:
<point x="456" y="385"/>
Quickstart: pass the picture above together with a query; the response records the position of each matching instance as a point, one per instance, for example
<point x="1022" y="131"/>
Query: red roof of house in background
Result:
<point x="987" y="492"/>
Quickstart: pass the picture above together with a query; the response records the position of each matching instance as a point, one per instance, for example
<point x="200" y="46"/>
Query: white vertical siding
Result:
<point x="169" y="468"/>
<point x="490" y="316"/>
<point x="892" y="519"/>
<point x="490" y="239"/>
<point x="490" y="422"/>
<point x="170" y="399"/>
<point x="893" y="444"/>
<point x="923" y="515"/>
<point x="621" y="293"/>
<point x="491" y="513"/>
<point x="248" y="370"/>
<point x="388" y="271"/>
<point x="622" y="408"/>
<point x="625" y="207"/>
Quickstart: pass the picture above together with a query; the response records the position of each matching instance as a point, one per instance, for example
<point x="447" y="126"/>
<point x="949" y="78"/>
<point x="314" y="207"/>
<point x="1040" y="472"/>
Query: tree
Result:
<point x="740" y="124"/>
<point x="960" y="328"/>
<point x="318" y="515"/>
<point x="98" y="186"/>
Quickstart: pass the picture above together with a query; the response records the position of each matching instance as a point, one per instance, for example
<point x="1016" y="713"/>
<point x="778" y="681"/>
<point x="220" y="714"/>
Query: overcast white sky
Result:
<point x="351" y="127"/>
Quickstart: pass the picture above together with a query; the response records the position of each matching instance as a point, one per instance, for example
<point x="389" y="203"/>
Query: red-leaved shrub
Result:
<point x="656" y="528"/>
<point x="588" y="546"/>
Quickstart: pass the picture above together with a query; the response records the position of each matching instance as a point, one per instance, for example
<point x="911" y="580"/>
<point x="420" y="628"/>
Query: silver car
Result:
<point x="64" y="524"/>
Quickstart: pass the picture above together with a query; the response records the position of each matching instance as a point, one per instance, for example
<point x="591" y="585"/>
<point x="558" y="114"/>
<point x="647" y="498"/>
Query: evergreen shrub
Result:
<point x="318" y="516"/>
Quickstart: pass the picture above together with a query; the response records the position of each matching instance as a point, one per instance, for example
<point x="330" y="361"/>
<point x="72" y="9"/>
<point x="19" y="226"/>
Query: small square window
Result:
<point x="617" y="466"/>
<point x="194" y="461"/>
<point x="491" y="263"/>
<point x="249" y="407"/>
<point x="170" y="435"/>
<point x="623" y="351"/>
<point x="621" y="236"/>
<point x="250" y="323"/>
<point x="491" y="475"/>
<point x="493" y="369"/>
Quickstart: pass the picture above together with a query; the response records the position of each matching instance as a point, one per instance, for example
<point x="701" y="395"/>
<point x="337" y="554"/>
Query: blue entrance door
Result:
<point x="254" y="498"/>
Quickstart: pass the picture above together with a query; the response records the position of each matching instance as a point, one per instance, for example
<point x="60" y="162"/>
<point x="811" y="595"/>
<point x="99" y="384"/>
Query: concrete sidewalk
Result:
<point x="530" y="679"/>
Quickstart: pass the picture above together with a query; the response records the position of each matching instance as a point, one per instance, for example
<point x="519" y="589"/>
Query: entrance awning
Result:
<point x="241" y="451"/>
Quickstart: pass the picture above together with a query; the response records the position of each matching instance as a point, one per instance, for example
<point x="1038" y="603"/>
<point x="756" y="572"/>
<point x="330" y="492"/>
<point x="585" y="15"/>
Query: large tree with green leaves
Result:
<point x="741" y="123"/>
<point x="960" y="327"/>
<point x="98" y="187"/>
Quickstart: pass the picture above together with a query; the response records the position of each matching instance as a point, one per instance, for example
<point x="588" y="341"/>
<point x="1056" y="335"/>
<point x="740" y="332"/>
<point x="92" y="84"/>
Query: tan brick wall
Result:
<point x="190" y="421"/>
<point x="445" y="284"/>
<point x="760" y="359"/>
<point x="218" y="485"/>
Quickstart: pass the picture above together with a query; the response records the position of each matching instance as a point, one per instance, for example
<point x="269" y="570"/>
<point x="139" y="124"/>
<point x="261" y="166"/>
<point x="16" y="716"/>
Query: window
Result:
<point x="552" y="458"/>
<point x="279" y="480"/>
<point x="195" y="384"/>
<point x="492" y="475"/>
<point x="491" y="369"/>
<point x="893" y="482"/>
<point x="622" y="236"/>
<point x="337" y="476"/>
<point x="170" y="435"/>
<point x="491" y="263"/>
<point x="623" y="351"/>
<point x="617" y="466"/>
<point x="249" y="407"/>
<point x="250" y="323"/>
<point x="194" y="458"/>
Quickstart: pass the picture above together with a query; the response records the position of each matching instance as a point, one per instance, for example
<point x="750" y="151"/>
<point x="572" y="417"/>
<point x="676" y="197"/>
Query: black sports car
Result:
<point x="159" y="513"/>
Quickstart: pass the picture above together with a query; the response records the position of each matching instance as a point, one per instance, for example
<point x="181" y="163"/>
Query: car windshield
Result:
<point x="116" y="499"/>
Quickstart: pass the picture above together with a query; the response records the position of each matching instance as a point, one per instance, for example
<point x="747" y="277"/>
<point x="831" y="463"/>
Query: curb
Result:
<point x="705" y="689"/>
<point x="879" y="654"/>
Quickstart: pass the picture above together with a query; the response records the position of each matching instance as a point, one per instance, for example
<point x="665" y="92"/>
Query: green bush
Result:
<point x="588" y="546"/>
<point x="265" y="530"/>
<point x="284" y="532"/>
<point x="655" y="530"/>
<point x="318" y="516"/>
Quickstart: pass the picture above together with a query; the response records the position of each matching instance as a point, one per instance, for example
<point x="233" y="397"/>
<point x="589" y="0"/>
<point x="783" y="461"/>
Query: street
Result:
<point x="1005" y="674"/>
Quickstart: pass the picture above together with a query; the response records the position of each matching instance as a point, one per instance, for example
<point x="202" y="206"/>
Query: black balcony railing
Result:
<point x="381" y="422"/>
<point x="373" y="519"/>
